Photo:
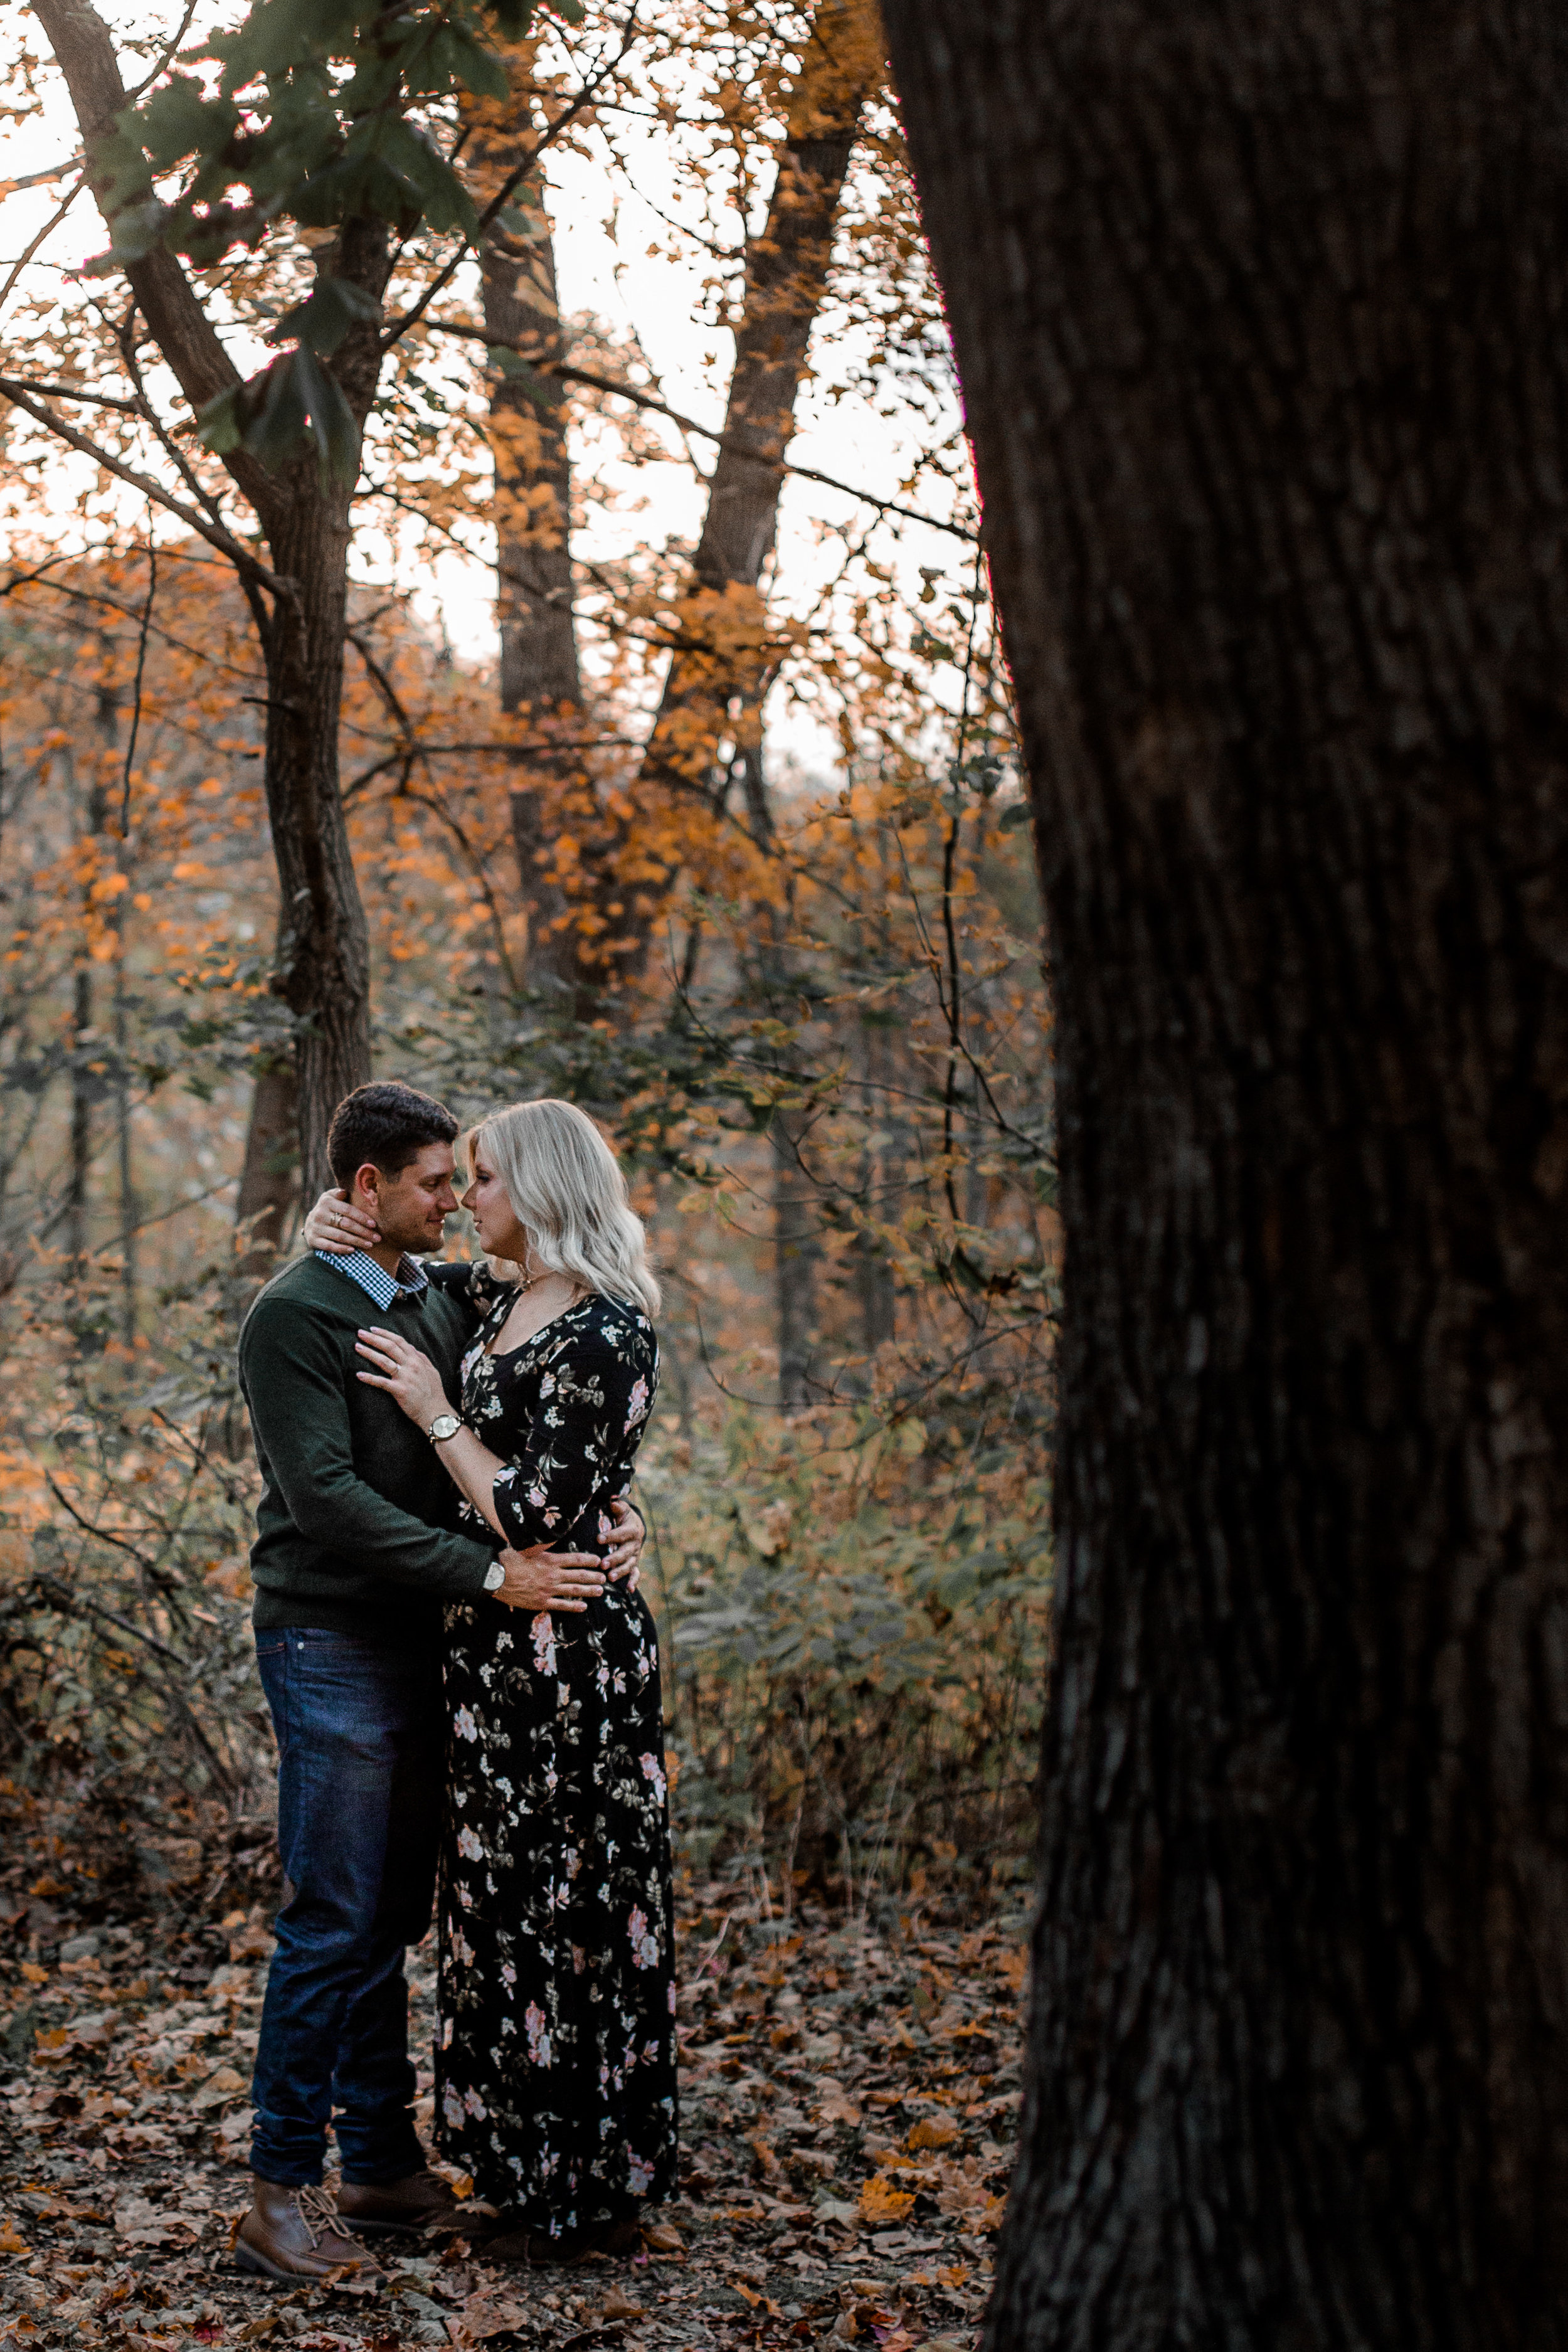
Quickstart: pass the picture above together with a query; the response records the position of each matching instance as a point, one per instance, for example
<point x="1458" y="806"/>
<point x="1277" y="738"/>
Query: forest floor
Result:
<point x="849" y="2092"/>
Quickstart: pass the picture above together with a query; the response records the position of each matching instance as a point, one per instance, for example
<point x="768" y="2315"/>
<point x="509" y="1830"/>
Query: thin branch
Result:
<point x="42" y="238"/>
<point x="728" y="441"/>
<point x="398" y="328"/>
<point x="136" y="691"/>
<point x="171" y="448"/>
<point x="169" y="53"/>
<point x="39" y="178"/>
<point x="131" y="612"/>
<point x="412" y="753"/>
<point x="248" y="565"/>
<point x="51" y="390"/>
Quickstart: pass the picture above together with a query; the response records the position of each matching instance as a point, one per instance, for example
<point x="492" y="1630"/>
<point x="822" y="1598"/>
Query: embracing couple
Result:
<point x="465" y="1685"/>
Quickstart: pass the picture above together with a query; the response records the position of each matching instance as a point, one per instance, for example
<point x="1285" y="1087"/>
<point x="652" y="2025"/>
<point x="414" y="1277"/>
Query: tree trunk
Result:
<point x="323" y="971"/>
<point x="88" y="1057"/>
<point x="1259" y="313"/>
<point x="268" y="1181"/>
<point x="539" y="676"/>
<point x="797" y="1205"/>
<point x="721" y="675"/>
<point x="323" y="947"/>
<point x="538" y="670"/>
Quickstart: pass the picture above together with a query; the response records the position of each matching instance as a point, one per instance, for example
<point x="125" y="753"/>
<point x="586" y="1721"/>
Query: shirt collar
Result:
<point x="410" y="1281"/>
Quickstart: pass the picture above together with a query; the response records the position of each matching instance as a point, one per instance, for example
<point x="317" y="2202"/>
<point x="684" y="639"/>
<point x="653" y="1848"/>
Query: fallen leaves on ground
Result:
<point x="849" y="2101"/>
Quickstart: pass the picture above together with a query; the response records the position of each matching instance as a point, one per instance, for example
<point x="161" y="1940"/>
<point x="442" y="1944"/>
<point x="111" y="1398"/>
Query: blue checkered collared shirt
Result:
<point x="410" y="1281"/>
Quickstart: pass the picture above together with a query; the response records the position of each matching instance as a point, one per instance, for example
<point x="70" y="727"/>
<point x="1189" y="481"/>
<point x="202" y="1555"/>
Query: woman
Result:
<point x="555" y="2081"/>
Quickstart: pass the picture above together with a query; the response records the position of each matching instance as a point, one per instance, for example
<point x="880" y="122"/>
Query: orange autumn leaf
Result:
<point x="881" y="2202"/>
<point x="932" y="2131"/>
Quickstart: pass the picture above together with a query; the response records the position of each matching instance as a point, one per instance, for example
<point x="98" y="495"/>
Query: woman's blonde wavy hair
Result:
<point x="569" y="1196"/>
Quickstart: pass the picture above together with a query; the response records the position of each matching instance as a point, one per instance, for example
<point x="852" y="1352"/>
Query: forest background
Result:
<point x="677" y="776"/>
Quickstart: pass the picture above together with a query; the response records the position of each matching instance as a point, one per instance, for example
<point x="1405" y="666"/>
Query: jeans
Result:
<point x="360" y="1726"/>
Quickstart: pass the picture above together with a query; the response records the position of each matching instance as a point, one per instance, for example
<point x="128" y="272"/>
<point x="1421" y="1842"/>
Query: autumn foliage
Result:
<point x="723" y="840"/>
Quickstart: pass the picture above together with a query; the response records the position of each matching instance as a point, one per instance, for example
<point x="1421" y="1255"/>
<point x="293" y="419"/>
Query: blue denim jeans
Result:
<point x="360" y="1736"/>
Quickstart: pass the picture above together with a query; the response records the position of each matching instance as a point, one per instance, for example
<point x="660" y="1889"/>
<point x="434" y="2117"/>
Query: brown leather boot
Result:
<point x="293" y="2234"/>
<point x="520" y="2244"/>
<point x="411" y="2203"/>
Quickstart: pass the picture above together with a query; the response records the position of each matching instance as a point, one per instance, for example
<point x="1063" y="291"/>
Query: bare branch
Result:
<point x="586" y="98"/>
<point x="42" y="238"/>
<point x="84" y="49"/>
<point x="248" y="565"/>
<point x="646" y="400"/>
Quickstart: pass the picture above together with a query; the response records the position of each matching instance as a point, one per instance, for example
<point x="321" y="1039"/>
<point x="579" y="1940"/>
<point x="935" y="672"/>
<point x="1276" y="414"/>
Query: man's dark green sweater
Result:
<point x="354" y="1529"/>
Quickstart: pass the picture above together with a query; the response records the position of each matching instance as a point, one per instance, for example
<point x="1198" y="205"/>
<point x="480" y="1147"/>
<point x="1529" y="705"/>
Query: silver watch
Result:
<point x="495" y="1577"/>
<point x="445" y="1425"/>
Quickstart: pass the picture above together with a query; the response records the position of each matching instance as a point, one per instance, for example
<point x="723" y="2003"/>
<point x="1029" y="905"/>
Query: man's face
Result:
<point x="412" y="1207"/>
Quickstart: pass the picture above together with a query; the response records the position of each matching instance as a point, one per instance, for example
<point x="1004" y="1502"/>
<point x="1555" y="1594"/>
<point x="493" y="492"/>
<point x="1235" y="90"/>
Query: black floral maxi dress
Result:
<point x="556" y="2070"/>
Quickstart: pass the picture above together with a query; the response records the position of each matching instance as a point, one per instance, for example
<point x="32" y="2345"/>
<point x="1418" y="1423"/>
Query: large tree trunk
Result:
<point x="539" y="676"/>
<point x="324" y="963"/>
<point x="1258" y="312"/>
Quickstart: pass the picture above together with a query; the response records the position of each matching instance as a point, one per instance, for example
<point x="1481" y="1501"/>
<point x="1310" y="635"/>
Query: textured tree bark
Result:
<point x="540" y="674"/>
<point x="724" y="665"/>
<point x="267" y="1181"/>
<point x="797" y="1249"/>
<point x="1259" y="309"/>
<point x="324" y="970"/>
<point x="539" y="668"/>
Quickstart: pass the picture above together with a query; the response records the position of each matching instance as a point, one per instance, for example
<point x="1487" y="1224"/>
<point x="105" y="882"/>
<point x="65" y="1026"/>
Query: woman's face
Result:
<point x="495" y="1221"/>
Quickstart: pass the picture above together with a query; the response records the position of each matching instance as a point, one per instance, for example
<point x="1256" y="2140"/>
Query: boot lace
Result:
<point x="320" y="2216"/>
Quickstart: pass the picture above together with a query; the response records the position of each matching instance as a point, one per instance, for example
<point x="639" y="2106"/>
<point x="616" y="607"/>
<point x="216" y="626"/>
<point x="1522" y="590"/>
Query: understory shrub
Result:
<point x="855" y="1620"/>
<point x="854" y="1616"/>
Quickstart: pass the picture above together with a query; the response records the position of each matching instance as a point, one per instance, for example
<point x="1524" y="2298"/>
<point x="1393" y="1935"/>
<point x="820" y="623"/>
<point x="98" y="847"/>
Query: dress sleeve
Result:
<point x="465" y="1277"/>
<point x="593" y="1399"/>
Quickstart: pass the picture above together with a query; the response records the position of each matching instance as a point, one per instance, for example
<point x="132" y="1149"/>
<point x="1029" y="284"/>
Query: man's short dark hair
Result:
<point x="387" y="1124"/>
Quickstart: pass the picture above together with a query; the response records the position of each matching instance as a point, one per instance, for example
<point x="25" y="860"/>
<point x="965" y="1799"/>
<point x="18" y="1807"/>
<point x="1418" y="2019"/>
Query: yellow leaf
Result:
<point x="881" y="2202"/>
<point x="933" y="2131"/>
<point x="10" y="2244"/>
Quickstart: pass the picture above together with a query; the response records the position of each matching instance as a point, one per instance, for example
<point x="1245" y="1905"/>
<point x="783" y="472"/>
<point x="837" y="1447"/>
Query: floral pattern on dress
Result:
<point x="555" y="2061"/>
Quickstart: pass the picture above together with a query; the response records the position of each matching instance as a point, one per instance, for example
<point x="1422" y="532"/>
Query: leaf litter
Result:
<point x="850" y="2100"/>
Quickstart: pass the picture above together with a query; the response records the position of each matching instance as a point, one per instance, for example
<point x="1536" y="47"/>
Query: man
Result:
<point x="355" y="1553"/>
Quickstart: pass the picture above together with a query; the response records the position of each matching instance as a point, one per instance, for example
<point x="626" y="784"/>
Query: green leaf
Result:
<point x="540" y="390"/>
<point x="331" y="419"/>
<point x="1015" y="817"/>
<point x="122" y="161"/>
<point x="351" y="186"/>
<point x="277" y="427"/>
<point x="279" y="33"/>
<point x="477" y="67"/>
<point x="325" y="317"/>
<point x="221" y="422"/>
<point x="512" y="17"/>
<point x="138" y="229"/>
<point x="445" y="203"/>
<point x="179" y="119"/>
